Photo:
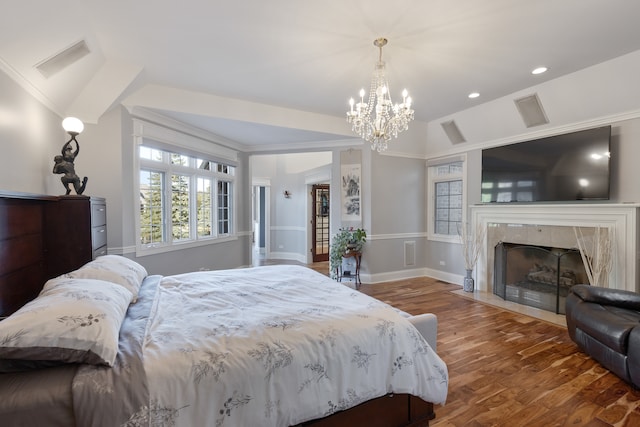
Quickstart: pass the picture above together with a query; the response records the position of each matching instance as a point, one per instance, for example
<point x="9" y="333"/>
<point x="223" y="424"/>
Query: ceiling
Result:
<point x="265" y="73"/>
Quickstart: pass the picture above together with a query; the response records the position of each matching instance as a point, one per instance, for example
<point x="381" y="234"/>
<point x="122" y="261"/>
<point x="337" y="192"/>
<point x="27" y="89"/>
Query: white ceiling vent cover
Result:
<point x="63" y="59"/>
<point x="453" y="132"/>
<point x="531" y="110"/>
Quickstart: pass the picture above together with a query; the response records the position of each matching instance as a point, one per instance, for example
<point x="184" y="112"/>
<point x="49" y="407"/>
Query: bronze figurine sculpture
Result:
<point x="64" y="165"/>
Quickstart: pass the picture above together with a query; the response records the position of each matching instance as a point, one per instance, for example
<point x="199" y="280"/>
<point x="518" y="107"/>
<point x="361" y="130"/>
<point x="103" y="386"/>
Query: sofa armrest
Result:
<point x="606" y="296"/>
<point x="633" y="356"/>
<point x="427" y="325"/>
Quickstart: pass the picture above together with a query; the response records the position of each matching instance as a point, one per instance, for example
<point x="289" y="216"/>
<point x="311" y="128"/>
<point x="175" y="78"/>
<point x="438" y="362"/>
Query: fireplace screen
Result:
<point x="537" y="276"/>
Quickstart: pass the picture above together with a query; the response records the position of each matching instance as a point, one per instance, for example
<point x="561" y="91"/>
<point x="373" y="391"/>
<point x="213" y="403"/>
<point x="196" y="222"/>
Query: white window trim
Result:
<point x="431" y="181"/>
<point x="195" y="241"/>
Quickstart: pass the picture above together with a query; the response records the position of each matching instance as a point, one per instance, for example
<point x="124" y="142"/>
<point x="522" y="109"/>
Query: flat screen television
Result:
<point x="560" y="168"/>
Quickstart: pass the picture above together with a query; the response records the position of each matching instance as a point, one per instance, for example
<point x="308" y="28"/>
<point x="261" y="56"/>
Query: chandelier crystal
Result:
<point x="377" y="120"/>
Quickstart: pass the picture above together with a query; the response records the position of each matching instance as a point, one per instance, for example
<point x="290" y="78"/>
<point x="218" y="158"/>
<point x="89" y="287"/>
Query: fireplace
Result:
<point x="537" y="276"/>
<point x="552" y="226"/>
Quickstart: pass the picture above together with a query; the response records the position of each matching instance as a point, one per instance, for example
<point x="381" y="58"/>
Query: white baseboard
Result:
<point x="290" y="256"/>
<point x="456" y="279"/>
<point x="393" y="275"/>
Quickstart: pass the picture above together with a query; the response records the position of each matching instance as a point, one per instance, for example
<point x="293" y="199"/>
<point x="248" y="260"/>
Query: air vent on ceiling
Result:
<point x="452" y="131"/>
<point x="63" y="59"/>
<point x="531" y="110"/>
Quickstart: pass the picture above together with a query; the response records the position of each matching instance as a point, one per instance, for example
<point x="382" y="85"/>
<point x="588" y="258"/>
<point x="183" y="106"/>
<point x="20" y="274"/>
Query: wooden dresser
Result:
<point x="78" y="234"/>
<point x="43" y="237"/>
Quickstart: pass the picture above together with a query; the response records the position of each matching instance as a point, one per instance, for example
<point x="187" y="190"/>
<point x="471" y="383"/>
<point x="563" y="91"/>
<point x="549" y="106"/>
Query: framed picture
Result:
<point x="350" y="192"/>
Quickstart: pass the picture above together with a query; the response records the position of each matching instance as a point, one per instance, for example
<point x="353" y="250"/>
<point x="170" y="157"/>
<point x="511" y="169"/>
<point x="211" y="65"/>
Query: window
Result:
<point x="204" y="205"/>
<point x="180" y="207"/>
<point x="224" y="205"/>
<point x="151" y="207"/>
<point x="446" y="212"/>
<point x="183" y="199"/>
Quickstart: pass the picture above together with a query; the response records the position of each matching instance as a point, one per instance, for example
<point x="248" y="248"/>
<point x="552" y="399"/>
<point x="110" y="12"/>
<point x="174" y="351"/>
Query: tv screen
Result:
<point x="568" y="167"/>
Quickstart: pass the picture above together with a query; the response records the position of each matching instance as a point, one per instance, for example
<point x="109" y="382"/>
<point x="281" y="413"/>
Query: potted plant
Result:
<point x="346" y="240"/>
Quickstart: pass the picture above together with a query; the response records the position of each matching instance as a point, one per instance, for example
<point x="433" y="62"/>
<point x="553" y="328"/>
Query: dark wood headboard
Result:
<point x="31" y="242"/>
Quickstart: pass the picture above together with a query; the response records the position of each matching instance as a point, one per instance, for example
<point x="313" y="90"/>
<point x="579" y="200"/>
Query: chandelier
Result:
<point x="377" y="120"/>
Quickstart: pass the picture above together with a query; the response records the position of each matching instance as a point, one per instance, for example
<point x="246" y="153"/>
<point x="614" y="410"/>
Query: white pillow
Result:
<point x="113" y="268"/>
<point x="73" y="321"/>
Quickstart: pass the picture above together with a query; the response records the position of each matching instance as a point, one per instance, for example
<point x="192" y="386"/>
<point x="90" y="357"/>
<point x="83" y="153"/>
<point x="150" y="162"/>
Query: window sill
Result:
<point x="443" y="238"/>
<point x="142" y="251"/>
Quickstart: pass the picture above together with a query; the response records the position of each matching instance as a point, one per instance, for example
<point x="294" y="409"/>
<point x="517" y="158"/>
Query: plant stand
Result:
<point x="356" y="276"/>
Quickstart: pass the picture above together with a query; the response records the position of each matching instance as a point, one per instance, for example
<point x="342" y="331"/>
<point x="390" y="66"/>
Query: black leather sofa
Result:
<point x="605" y="324"/>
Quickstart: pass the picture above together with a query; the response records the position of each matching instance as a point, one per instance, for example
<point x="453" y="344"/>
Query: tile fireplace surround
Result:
<point x="553" y="225"/>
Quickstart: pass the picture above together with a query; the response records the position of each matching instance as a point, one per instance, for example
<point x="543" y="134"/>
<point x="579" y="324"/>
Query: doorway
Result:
<point x="320" y="222"/>
<point x="260" y="219"/>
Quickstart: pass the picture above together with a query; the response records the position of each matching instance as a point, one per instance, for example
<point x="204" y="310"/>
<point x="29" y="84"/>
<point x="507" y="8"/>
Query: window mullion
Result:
<point x="214" y="206"/>
<point x="168" y="207"/>
<point x="212" y="216"/>
<point x="193" y="207"/>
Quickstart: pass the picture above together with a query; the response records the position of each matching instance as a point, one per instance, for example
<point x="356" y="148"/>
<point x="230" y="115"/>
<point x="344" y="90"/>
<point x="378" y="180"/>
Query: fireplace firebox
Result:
<point x="537" y="276"/>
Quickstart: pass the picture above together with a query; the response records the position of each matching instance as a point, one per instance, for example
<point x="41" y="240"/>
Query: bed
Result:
<point x="107" y="344"/>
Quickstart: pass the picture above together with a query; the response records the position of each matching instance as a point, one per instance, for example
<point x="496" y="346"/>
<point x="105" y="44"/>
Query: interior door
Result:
<point x="320" y="222"/>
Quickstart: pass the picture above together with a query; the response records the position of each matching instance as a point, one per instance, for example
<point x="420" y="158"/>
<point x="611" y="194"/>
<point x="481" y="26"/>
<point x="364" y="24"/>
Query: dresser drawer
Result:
<point x="98" y="214"/>
<point x="99" y="251"/>
<point x="98" y="236"/>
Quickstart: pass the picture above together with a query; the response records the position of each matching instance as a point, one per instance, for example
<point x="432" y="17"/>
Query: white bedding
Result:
<point x="276" y="346"/>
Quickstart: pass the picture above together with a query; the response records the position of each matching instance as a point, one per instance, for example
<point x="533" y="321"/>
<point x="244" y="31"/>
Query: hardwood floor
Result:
<point x="509" y="369"/>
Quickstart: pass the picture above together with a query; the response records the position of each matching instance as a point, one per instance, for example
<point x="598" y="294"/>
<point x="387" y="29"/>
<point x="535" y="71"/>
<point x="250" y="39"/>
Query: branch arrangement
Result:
<point x="596" y="254"/>
<point x="472" y="239"/>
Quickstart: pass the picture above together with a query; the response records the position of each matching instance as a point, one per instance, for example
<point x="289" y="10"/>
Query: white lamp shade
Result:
<point x="73" y="125"/>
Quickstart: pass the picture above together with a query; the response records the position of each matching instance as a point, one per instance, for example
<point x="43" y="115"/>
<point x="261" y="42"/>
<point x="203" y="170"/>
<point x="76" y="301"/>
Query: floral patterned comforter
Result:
<point x="265" y="346"/>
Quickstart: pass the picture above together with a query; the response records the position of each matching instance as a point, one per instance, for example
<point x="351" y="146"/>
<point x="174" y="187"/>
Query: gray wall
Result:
<point x="30" y="136"/>
<point x="605" y="93"/>
<point x="393" y="200"/>
<point x="624" y="185"/>
<point x="289" y="217"/>
<point x="397" y="190"/>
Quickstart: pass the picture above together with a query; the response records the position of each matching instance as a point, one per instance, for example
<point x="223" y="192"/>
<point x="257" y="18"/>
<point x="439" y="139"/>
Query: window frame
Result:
<point x="432" y="180"/>
<point x="193" y="172"/>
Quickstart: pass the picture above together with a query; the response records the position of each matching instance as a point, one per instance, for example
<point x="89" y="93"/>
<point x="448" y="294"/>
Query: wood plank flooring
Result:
<point x="509" y="369"/>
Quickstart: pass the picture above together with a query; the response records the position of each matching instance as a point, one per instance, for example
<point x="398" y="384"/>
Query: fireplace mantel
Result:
<point x="620" y="218"/>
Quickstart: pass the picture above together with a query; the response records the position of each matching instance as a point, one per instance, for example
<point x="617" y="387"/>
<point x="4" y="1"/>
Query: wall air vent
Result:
<point x="452" y="131"/>
<point x="61" y="60"/>
<point x="531" y="110"/>
<point x="409" y="253"/>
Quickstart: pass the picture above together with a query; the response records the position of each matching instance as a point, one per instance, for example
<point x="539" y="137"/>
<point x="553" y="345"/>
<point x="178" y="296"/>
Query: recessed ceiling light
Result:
<point x="539" y="70"/>
<point x="474" y="95"/>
